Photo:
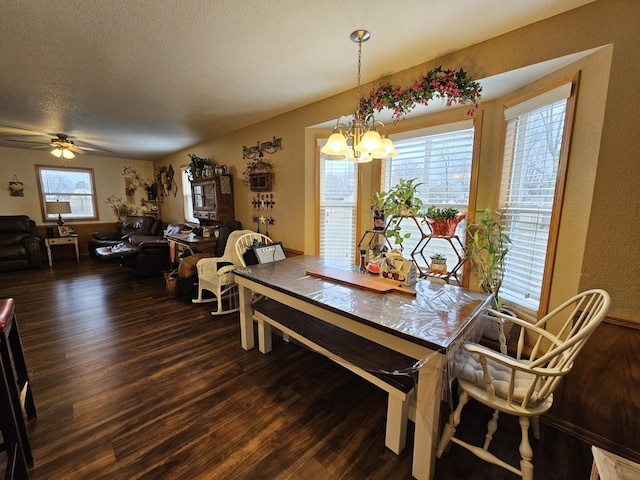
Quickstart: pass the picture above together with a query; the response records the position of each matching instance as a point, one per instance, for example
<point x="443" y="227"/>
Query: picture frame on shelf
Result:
<point x="63" y="231"/>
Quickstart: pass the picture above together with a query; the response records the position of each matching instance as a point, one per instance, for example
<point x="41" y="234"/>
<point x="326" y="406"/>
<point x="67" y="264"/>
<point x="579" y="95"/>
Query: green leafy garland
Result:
<point x="456" y="87"/>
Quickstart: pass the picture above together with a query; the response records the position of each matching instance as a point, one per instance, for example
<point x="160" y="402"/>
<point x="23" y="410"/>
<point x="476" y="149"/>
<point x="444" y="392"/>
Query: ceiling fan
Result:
<point x="61" y="146"/>
<point x="61" y="143"/>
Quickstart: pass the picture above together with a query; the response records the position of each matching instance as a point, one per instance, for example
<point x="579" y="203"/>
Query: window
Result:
<point x="187" y="200"/>
<point x="70" y="184"/>
<point x="338" y="182"/>
<point x="534" y="165"/>
<point x="441" y="159"/>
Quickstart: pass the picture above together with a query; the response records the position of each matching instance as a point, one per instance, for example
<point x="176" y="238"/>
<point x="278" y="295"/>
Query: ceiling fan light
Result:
<point x="56" y="152"/>
<point x="67" y="153"/>
<point x="371" y="141"/>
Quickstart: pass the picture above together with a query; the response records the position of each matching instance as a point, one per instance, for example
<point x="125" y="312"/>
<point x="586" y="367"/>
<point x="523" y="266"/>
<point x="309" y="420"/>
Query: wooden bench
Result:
<point x="369" y="360"/>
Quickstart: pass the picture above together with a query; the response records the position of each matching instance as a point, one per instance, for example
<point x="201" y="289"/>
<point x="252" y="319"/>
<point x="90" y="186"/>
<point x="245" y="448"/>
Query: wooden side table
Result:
<point x="53" y="241"/>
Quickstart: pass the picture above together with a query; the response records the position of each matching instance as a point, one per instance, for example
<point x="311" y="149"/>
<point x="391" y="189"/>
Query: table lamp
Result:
<point x="59" y="208"/>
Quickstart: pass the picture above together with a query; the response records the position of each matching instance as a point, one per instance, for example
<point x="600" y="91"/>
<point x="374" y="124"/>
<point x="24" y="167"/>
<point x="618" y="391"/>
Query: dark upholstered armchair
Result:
<point x="138" y="225"/>
<point x="19" y="244"/>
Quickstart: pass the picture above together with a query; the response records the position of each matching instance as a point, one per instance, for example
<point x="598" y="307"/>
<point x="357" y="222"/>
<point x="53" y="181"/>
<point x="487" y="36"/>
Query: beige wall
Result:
<point x="603" y="173"/>
<point x="107" y="173"/>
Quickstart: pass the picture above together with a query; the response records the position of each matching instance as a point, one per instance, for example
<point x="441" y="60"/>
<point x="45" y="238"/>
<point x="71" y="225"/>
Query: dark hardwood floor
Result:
<point x="130" y="383"/>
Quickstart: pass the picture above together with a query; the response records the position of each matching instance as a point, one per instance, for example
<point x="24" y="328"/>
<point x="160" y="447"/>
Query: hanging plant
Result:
<point x="454" y="86"/>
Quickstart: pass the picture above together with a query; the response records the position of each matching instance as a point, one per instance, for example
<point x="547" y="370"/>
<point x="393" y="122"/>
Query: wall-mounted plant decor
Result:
<point x="165" y="181"/>
<point x="120" y="207"/>
<point x="133" y="180"/>
<point x="16" y="187"/>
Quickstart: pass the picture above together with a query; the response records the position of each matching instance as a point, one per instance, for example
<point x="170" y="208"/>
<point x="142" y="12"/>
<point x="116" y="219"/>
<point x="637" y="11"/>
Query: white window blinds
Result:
<point x="187" y="200"/>
<point x="441" y="159"/>
<point x="533" y="143"/>
<point x="338" y="202"/>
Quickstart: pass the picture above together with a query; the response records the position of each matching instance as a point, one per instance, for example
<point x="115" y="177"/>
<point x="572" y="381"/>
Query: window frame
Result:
<point x="42" y="194"/>
<point x="505" y="168"/>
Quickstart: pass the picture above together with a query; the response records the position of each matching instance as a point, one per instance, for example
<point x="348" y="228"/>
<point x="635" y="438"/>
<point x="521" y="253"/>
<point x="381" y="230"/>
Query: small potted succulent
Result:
<point x="443" y="221"/>
<point x="438" y="264"/>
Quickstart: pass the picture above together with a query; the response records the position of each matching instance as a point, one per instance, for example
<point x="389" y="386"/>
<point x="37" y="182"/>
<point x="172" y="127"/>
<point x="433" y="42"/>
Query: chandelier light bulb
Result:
<point x="336" y="145"/>
<point x="371" y="141"/>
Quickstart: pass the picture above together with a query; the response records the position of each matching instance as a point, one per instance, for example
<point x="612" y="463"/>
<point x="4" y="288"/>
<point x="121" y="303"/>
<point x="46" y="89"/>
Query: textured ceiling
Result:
<point x="145" y="78"/>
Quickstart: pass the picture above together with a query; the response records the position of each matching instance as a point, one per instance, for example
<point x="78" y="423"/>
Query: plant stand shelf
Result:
<point x="456" y="245"/>
<point x="371" y="238"/>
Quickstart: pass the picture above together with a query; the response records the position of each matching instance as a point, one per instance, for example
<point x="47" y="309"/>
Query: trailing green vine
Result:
<point x="454" y="86"/>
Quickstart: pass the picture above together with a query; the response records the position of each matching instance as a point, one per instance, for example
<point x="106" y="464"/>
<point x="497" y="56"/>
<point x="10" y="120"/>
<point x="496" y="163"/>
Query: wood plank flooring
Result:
<point x="132" y="384"/>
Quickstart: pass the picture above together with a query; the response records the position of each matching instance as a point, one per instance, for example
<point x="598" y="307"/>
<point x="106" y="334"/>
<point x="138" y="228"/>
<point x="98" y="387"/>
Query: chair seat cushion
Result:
<point x="472" y="372"/>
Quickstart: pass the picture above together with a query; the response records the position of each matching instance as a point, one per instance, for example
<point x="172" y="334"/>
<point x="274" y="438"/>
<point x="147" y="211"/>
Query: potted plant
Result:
<point x="401" y="201"/>
<point x="438" y="264"/>
<point x="488" y="246"/>
<point x="443" y="221"/>
<point x="378" y="210"/>
<point x="196" y="167"/>
<point x="150" y="188"/>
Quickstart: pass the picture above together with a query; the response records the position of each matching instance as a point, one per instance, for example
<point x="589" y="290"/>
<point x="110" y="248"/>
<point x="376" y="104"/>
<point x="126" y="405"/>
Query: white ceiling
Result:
<point x="146" y="78"/>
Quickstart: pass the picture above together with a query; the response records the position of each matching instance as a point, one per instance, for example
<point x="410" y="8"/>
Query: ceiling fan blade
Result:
<point x="25" y="141"/>
<point x="88" y="149"/>
<point x="7" y="130"/>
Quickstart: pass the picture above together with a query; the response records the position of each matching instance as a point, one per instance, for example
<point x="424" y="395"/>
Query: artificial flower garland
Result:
<point x="456" y="87"/>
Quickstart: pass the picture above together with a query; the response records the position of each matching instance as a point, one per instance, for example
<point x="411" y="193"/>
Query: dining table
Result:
<point x="427" y="321"/>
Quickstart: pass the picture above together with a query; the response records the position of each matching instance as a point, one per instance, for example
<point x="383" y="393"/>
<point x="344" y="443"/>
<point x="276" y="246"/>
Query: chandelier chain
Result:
<point x="359" y="63"/>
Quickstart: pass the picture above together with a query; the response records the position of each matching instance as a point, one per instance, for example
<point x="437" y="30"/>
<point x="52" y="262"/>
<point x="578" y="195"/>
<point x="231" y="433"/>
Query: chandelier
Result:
<point x="366" y="141"/>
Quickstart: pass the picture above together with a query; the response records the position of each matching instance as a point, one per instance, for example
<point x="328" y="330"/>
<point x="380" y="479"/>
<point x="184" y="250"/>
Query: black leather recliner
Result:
<point x="19" y="243"/>
<point x="133" y="224"/>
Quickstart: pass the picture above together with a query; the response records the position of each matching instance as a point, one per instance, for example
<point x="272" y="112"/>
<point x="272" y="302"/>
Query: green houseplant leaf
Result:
<point x="488" y="246"/>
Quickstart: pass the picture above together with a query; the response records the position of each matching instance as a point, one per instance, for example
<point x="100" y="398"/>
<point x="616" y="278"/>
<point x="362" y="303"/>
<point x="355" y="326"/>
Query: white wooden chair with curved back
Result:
<point x="216" y="276"/>
<point x="523" y="386"/>
<point x="244" y="242"/>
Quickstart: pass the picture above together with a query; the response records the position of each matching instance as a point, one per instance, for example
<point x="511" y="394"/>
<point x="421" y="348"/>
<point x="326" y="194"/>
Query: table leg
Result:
<point x="246" y="318"/>
<point x="428" y="395"/>
<point x="49" y="254"/>
<point x="77" y="251"/>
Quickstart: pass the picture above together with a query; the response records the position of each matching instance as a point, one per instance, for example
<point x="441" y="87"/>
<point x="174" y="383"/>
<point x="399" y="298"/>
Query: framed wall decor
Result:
<point x="259" y="175"/>
<point x="16" y="187"/>
<point x="260" y="182"/>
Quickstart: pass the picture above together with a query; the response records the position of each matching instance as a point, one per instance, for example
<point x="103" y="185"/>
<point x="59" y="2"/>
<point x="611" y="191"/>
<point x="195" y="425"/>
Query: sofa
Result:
<point x="20" y="247"/>
<point x="145" y="251"/>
